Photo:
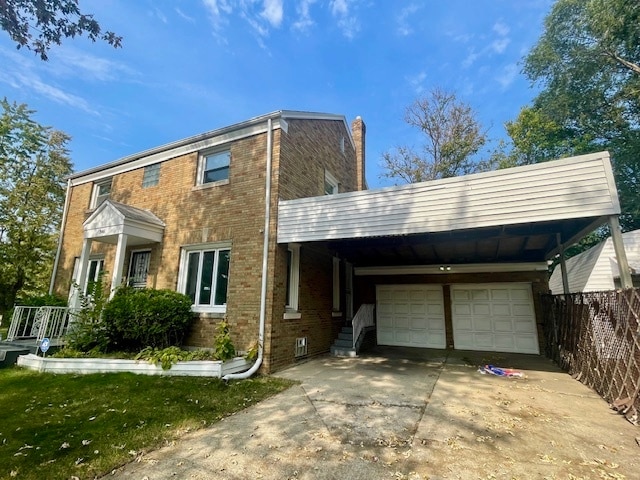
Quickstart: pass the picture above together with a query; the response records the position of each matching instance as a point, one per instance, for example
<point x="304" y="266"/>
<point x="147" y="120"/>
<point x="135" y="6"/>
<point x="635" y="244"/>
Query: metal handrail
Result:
<point x="363" y="318"/>
<point x="39" y="322"/>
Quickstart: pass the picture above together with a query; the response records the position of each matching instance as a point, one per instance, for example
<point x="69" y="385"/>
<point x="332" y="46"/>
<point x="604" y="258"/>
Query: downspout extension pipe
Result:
<point x="265" y="257"/>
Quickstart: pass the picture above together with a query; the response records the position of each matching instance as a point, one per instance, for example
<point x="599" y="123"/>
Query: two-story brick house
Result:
<point x="190" y="216"/>
<point x="269" y="223"/>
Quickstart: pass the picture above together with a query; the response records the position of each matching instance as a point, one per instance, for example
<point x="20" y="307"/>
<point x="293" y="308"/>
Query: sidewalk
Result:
<point x="415" y="414"/>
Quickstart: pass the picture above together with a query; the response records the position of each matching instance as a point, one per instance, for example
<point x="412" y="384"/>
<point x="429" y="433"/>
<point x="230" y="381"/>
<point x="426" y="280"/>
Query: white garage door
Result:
<point x="410" y="316"/>
<point x="494" y="317"/>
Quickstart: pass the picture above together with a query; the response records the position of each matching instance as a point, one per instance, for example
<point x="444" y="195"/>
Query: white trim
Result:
<point x="292" y="316"/>
<point x="202" y="158"/>
<point x="294" y="278"/>
<point x="96" y="188"/>
<point x="452" y="269"/>
<point x="183" y="267"/>
<point x="331" y="180"/>
<point x="211" y="139"/>
<point x="336" y="284"/>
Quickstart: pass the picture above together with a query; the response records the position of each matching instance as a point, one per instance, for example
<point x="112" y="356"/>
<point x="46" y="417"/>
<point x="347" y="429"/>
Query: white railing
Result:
<point x="364" y="318"/>
<point x="39" y="322"/>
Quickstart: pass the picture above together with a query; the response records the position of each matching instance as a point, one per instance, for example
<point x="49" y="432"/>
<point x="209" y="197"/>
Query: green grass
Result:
<point x="59" y="426"/>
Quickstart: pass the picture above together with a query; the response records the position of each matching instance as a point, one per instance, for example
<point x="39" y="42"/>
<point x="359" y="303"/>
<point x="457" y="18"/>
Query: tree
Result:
<point x="34" y="162"/>
<point x="453" y="137"/>
<point x="37" y="24"/>
<point x="587" y="63"/>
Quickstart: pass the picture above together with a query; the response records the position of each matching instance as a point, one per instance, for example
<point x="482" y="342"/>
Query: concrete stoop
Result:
<point x="343" y="345"/>
<point x="9" y="353"/>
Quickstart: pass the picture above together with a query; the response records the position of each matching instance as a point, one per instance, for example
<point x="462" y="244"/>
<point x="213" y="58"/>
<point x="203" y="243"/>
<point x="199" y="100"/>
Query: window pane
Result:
<point x="216" y="167"/>
<point x="151" y="175"/>
<point x="206" y="278"/>
<point x="193" y="262"/>
<point x="289" y="265"/>
<point x="222" y="279"/>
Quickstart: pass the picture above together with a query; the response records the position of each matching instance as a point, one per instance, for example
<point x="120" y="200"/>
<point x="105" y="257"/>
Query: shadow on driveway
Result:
<point x="415" y="414"/>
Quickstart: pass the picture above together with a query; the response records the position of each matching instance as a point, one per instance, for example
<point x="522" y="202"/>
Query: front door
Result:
<point x="139" y="269"/>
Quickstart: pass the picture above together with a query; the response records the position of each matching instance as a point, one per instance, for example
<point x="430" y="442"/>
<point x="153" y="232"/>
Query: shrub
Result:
<point x="223" y="348"/>
<point x="44" y="300"/>
<point x="87" y="332"/>
<point x="135" y="319"/>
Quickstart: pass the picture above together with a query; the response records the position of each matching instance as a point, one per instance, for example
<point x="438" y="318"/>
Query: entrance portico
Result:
<point x="117" y="224"/>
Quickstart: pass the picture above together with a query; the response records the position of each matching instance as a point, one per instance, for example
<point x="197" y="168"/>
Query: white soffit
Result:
<point x="451" y="268"/>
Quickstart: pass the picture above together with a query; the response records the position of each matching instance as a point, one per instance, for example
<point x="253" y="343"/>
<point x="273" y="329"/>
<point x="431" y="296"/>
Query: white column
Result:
<point x="82" y="273"/>
<point x="621" y="255"/>
<point x="118" y="264"/>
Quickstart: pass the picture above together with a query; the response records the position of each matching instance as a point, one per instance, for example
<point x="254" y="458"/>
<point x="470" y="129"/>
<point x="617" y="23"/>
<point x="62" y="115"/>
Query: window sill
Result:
<point x="292" y="316"/>
<point x="335" y="314"/>
<point x="205" y="310"/>
<point x="204" y="186"/>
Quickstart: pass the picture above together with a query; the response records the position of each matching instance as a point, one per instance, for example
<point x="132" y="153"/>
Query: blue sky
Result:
<point x="192" y="66"/>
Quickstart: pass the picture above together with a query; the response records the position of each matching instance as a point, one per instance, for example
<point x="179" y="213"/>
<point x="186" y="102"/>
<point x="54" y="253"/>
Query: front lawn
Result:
<point x="59" y="426"/>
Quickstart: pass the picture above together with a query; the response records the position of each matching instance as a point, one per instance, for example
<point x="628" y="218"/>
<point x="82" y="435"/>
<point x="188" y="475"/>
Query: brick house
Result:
<point x="269" y="223"/>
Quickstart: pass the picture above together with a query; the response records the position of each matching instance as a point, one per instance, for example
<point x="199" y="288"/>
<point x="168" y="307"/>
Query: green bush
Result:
<point x="223" y="348"/>
<point x="135" y="319"/>
<point x="86" y="332"/>
<point x="44" y="300"/>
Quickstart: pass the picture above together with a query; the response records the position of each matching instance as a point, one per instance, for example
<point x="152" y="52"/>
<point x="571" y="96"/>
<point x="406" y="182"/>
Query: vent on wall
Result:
<point x="301" y="346"/>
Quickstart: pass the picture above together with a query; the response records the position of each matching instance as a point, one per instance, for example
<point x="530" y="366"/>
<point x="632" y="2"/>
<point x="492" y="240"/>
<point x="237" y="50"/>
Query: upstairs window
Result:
<point x="151" y="175"/>
<point x="214" y="167"/>
<point x="330" y="184"/>
<point x="101" y="191"/>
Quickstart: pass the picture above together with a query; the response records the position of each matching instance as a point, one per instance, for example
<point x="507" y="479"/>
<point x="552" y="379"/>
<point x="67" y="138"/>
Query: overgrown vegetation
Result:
<point x="65" y="426"/>
<point x="170" y="355"/>
<point x="223" y="346"/>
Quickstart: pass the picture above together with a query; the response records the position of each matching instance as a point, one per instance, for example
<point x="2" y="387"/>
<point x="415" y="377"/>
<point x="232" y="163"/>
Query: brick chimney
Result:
<point x="359" y="130"/>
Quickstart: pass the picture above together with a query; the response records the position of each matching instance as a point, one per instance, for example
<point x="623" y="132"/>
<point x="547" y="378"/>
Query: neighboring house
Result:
<point x="597" y="269"/>
<point x="269" y="222"/>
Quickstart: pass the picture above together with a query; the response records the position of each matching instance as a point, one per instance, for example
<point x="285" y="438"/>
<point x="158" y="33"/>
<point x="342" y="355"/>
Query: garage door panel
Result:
<point x="494" y="317"/>
<point x="416" y="318"/>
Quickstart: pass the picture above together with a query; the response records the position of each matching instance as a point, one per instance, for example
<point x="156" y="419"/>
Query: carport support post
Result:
<point x="563" y="265"/>
<point x="621" y="255"/>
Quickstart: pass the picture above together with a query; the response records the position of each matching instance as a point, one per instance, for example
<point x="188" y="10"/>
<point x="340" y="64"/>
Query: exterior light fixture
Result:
<point x="445" y="268"/>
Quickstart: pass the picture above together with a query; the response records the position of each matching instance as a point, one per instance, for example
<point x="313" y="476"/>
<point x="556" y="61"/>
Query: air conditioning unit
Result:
<point x="301" y="346"/>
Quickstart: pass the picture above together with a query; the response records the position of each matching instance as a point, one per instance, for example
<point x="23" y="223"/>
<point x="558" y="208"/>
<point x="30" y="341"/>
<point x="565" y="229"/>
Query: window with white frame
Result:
<point x="151" y="176"/>
<point x="94" y="270"/>
<point x="336" y="284"/>
<point x="293" y="276"/>
<point x="330" y="184"/>
<point x="101" y="191"/>
<point x="204" y="276"/>
<point x="214" y="167"/>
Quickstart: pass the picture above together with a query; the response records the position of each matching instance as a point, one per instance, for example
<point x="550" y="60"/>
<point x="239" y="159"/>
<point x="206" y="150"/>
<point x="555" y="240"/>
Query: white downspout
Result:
<point x="59" y="250"/>
<point x="265" y="257"/>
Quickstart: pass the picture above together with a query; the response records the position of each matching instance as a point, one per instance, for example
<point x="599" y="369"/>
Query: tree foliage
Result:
<point x="587" y="63"/>
<point x="37" y="24"/>
<point x="453" y="136"/>
<point x="34" y="162"/>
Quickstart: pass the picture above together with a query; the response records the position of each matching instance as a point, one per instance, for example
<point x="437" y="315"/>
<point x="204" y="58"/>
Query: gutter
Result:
<point x="62" y="224"/>
<point x="265" y="257"/>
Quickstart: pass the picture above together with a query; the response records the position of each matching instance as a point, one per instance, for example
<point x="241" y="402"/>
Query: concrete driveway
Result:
<point x="411" y="414"/>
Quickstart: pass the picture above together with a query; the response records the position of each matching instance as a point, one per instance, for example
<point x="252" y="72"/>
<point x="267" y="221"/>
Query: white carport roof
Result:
<point x="515" y="214"/>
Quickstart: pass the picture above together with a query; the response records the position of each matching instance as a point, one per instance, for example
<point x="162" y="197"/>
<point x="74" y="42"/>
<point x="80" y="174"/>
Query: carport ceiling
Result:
<point x="533" y="242"/>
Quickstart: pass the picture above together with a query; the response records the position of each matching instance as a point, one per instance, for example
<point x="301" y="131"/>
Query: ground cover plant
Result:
<point x="64" y="426"/>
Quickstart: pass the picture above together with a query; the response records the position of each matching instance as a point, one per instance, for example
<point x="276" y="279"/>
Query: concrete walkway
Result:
<point x="411" y="414"/>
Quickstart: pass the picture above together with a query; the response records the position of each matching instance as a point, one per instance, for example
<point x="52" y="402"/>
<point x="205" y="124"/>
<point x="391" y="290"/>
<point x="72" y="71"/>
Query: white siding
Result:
<point x="562" y="189"/>
<point x="595" y="269"/>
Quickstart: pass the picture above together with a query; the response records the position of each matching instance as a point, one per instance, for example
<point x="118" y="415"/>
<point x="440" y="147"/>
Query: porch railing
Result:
<point x="39" y="322"/>
<point x="364" y="318"/>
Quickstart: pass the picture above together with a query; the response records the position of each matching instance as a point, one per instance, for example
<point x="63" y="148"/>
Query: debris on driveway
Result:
<point x="501" y="372"/>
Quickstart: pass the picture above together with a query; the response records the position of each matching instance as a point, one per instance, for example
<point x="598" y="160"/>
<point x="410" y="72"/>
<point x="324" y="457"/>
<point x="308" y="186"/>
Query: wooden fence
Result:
<point x="595" y="336"/>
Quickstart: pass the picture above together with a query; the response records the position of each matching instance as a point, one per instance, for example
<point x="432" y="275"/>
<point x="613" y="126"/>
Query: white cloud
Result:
<point x="416" y="81"/>
<point x="69" y="61"/>
<point x="507" y="76"/>
<point x="347" y="22"/>
<point x="185" y="16"/>
<point x="470" y="59"/>
<point x="501" y="28"/>
<point x="272" y="12"/>
<point x="304" y="21"/>
<point x="160" y="15"/>
<point x="500" y="45"/>
<point x="404" y="28"/>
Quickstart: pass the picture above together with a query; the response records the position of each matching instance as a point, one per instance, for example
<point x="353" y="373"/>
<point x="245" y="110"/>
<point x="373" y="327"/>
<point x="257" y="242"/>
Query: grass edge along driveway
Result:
<point x="72" y="425"/>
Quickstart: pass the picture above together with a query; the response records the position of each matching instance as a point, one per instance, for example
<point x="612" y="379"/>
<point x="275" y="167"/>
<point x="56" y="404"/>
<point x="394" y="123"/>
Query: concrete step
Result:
<point x="9" y="354"/>
<point x="346" y="336"/>
<point x="348" y="329"/>
<point x="343" y="343"/>
<point x="343" y="351"/>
